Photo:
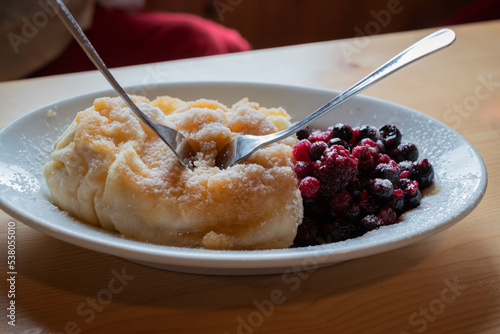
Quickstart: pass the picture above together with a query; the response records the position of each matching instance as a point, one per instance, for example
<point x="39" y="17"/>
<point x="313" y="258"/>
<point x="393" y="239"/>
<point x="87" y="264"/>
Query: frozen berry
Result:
<point x="303" y="169"/>
<point x="303" y="133"/>
<point x="316" y="150"/>
<point x="412" y="195"/>
<point x="338" y="141"/>
<point x="390" y="136"/>
<point x="342" y="131"/>
<point x="336" y="169"/>
<point x="339" y="230"/>
<point x="387" y="215"/>
<point x="371" y="222"/>
<point x="353" y="213"/>
<point x="367" y="156"/>
<point x="316" y="208"/>
<point x="301" y="150"/>
<point x="397" y="202"/>
<point x="405" y="152"/>
<point x="368" y="131"/>
<point x="381" y="190"/>
<point x="309" y="187"/>
<point x="389" y="171"/>
<point x="320" y="136"/>
<point x="366" y="203"/>
<point x="384" y="158"/>
<point x="340" y="202"/>
<point x="307" y="233"/>
<point x="423" y="173"/>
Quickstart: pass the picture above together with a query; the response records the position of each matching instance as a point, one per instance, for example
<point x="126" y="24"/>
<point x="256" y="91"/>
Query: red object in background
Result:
<point x="481" y="10"/>
<point x="123" y="39"/>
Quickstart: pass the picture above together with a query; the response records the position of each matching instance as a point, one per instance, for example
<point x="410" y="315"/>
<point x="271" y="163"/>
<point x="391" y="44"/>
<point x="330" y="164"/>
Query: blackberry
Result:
<point x="316" y="208"/>
<point x="342" y="131"/>
<point x="339" y="230"/>
<point x="307" y="233"/>
<point x="390" y="136"/>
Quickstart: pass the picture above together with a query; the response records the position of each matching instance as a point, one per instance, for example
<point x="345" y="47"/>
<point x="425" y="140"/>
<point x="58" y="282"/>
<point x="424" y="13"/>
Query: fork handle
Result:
<point x="426" y="46"/>
<point x="175" y="140"/>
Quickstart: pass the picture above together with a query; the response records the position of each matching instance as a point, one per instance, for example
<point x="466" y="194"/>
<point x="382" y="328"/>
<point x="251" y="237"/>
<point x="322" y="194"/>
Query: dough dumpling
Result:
<point x="111" y="170"/>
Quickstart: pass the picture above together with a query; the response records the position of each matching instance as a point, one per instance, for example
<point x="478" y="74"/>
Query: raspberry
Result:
<point x="336" y="169"/>
<point x="318" y="135"/>
<point x="367" y="157"/>
<point x="303" y="169"/>
<point x="309" y="187"/>
<point x="384" y="158"/>
<point x="301" y="150"/>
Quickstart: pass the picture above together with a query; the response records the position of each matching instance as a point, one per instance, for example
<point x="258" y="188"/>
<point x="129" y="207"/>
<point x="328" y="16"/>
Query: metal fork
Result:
<point x="174" y="139"/>
<point x="243" y="146"/>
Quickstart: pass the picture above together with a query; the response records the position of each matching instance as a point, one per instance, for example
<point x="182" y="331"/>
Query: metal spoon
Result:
<point x="244" y="145"/>
<point x="174" y="139"/>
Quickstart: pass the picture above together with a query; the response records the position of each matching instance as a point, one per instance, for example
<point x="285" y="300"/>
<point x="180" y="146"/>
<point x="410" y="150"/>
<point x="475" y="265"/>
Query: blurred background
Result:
<point x="130" y="32"/>
<point x="271" y="23"/>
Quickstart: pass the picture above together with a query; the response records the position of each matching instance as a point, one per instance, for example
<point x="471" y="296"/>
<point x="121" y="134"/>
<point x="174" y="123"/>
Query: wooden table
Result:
<point x="449" y="283"/>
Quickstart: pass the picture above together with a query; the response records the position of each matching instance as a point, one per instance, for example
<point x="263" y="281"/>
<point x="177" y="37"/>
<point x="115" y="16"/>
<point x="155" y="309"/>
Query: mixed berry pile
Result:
<point x="354" y="180"/>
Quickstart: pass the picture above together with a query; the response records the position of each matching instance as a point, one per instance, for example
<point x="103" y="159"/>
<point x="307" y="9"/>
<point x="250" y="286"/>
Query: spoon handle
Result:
<point x="423" y="47"/>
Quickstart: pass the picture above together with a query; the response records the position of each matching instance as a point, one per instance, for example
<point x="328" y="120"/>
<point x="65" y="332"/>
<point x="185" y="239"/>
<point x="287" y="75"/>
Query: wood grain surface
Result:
<point x="448" y="283"/>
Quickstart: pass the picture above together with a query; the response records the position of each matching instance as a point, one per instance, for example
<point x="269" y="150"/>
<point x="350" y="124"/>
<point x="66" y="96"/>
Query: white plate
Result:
<point x="461" y="179"/>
